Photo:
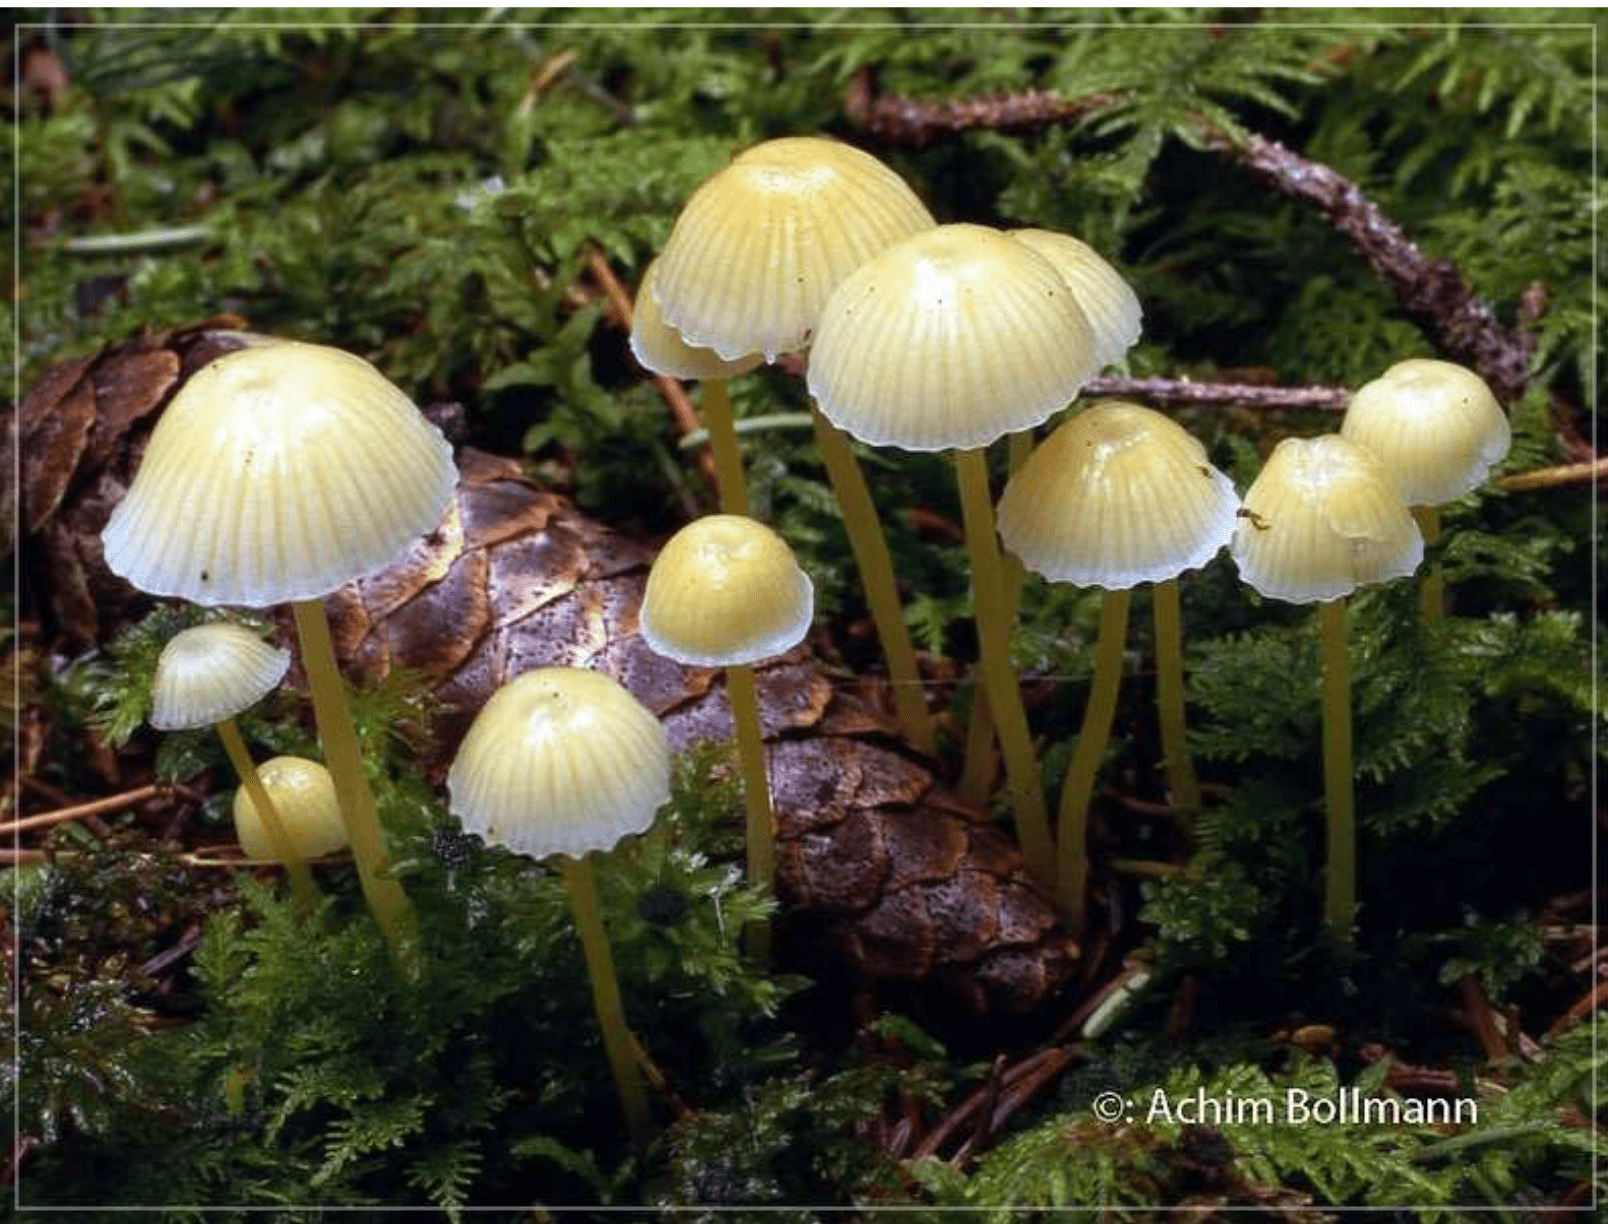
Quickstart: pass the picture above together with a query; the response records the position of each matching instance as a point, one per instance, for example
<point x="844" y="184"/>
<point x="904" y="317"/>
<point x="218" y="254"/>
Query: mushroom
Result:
<point x="753" y="257"/>
<point x="302" y="792"/>
<point x="204" y="677"/>
<point x="279" y="473"/>
<point x="1320" y="520"/>
<point x="1108" y="302"/>
<point x="1115" y="317"/>
<point x="564" y="761"/>
<point x="726" y="591"/>
<point x="1438" y="430"/>
<point x="1117" y="496"/>
<point x="661" y="349"/>
<point x="946" y="342"/>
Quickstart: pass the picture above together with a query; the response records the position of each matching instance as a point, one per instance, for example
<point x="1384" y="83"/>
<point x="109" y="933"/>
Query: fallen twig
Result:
<point x="675" y="395"/>
<point x="80" y="811"/>
<point x="1554" y="477"/>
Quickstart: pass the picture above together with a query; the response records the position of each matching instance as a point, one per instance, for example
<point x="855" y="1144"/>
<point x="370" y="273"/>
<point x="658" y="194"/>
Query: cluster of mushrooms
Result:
<point x="921" y="336"/>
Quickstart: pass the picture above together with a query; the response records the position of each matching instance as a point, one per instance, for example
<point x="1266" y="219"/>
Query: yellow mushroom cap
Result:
<point x="303" y="794"/>
<point x="660" y="348"/>
<point x="1322" y="519"/>
<point x="1434" y="425"/>
<point x="210" y="673"/>
<point x="561" y="760"/>
<point x="725" y="589"/>
<point x="949" y="340"/>
<point x="279" y="472"/>
<point x="1116" y="496"/>
<point x="1108" y="302"/>
<point x="760" y="246"/>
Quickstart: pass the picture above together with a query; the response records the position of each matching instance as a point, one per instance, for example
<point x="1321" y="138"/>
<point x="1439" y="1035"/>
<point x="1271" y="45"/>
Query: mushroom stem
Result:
<point x="722" y="423"/>
<point x="876" y="576"/>
<point x="1432" y="587"/>
<point x="1072" y="833"/>
<point x="1182" y="785"/>
<point x="993" y="610"/>
<point x="387" y="902"/>
<point x="618" y="1044"/>
<point x="302" y="889"/>
<point x="756" y="794"/>
<point x="1340" y="893"/>
<point x="977" y="775"/>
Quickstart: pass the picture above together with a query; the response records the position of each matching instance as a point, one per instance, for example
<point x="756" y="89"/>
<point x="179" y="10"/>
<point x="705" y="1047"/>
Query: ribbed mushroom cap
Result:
<point x="1434" y="425"/>
<point x="212" y="672"/>
<point x="303" y="794"/>
<point x="1116" y="496"/>
<point x="660" y="348"/>
<point x="561" y="760"/>
<point x="1322" y="519"/>
<point x="279" y="472"/>
<point x="760" y="246"/>
<point x="1108" y="302"/>
<point x="725" y="589"/>
<point x="949" y="340"/>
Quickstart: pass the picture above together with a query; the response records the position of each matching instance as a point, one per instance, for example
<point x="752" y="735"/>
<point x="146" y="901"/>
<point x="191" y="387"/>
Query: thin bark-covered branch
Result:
<point x="1186" y="393"/>
<point x="903" y="121"/>
<point x="1432" y="292"/>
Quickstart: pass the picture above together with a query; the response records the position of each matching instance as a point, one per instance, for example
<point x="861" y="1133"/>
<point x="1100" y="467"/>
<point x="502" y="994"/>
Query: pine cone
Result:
<point x="876" y="862"/>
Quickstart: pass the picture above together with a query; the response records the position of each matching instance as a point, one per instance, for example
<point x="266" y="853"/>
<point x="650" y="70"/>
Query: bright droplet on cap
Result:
<point x="1116" y="496"/>
<point x="1322" y="519"/>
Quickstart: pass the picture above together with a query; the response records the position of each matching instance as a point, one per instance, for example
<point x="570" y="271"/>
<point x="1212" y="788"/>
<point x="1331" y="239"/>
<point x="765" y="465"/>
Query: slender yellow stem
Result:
<point x="876" y="576"/>
<point x="721" y="422"/>
<point x="993" y="613"/>
<point x="343" y="756"/>
<point x="1340" y="894"/>
<point x="302" y="888"/>
<point x="1181" y="784"/>
<point x="1432" y="587"/>
<point x="1072" y="833"/>
<point x="756" y="795"/>
<point x="618" y="1043"/>
<point x="981" y="766"/>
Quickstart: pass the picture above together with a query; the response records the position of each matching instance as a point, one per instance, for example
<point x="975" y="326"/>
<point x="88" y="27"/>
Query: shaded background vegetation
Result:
<point x="436" y="197"/>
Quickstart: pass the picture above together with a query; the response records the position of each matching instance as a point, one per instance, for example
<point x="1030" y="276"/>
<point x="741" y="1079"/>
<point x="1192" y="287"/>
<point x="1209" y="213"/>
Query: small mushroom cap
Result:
<point x="1322" y="519"/>
<point x="725" y="589"/>
<point x="1434" y="425"/>
<point x="303" y="794"/>
<point x="1116" y="496"/>
<point x="760" y="246"/>
<point x="1108" y="302"/>
<point x="212" y="672"/>
<point x="279" y="472"/>
<point x="561" y="760"/>
<point x="660" y="348"/>
<point x="949" y="340"/>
